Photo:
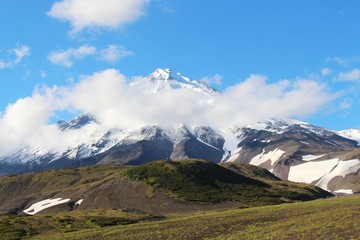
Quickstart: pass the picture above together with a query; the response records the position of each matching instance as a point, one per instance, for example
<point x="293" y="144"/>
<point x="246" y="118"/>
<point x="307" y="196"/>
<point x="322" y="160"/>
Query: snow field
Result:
<point x="44" y="204"/>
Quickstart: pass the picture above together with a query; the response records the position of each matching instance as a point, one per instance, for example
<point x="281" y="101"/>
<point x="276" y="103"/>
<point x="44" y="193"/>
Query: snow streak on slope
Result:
<point x="311" y="157"/>
<point x="342" y="169"/>
<point x="273" y="156"/>
<point x="344" y="191"/>
<point x="311" y="171"/>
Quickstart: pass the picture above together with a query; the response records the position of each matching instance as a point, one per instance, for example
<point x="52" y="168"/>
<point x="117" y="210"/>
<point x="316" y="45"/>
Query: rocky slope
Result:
<point x="300" y="152"/>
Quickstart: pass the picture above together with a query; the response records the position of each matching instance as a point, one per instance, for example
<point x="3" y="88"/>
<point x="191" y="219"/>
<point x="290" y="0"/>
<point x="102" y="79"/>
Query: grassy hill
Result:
<point x="203" y="181"/>
<point x="17" y="191"/>
<point x="160" y="187"/>
<point x="335" y="218"/>
<point x="189" y="199"/>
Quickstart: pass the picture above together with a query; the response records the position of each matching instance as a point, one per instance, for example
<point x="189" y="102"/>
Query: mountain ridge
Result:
<point x="285" y="147"/>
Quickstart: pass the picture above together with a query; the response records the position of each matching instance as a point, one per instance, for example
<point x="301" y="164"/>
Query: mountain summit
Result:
<point x="167" y="79"/>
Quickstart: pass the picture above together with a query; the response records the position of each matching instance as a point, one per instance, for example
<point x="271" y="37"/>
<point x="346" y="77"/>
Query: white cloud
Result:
<point x="114" y="53"/>
<point x="20" y="52"/>
<point x="344" y="61"/>
<point x="339" y="60"/>
<point x="98" y="13"/>
<point x="255" y="99"/>
<point x="23" y="119"/>
<point x="216" y="79"/>
<point x="353" y="75"/>
<point x="106" y="95"/>
<point x="67" y="57"/>
<point x="325" y="71"/>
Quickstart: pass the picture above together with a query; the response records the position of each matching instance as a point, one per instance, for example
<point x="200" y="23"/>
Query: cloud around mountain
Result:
<point x="107" y="96"/>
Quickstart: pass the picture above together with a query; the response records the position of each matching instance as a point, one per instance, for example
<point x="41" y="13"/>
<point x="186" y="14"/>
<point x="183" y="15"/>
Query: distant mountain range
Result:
<point x="290" y="149"/>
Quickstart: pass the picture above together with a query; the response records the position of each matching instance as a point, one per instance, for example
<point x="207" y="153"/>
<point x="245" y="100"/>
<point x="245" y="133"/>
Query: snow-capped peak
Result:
<point x="353" y="134"/>
<point x="161" y="75"/>
<point x="281" y="125"/>
<point x="168" y="79"/>
<point x="76" y="123"/>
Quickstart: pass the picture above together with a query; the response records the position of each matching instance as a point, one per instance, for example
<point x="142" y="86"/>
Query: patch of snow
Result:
<point x="343" y="168"/>
<point x="311" y="157"/>
<point x="79" y="202"/>
<point x="304" y="142"/>
<point x="311" y="171"/>
<point x="273" y="156"/>
<point x="47" y="203"/>
<point x="346" y="191"/>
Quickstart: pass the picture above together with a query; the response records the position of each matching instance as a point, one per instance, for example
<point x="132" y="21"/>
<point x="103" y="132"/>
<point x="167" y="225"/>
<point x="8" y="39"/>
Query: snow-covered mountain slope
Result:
<point x="76" y="123"/>
<point x="130" y="146"/>
<point x="301" y="152"/>
<point x="144" y="143"/>
<point x="353" y="134"/>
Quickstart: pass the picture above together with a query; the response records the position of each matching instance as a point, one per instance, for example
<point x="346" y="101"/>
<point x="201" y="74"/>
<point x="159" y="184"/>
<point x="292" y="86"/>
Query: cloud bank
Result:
<point x="109" y="14"/>
<point x="107" y="96"/>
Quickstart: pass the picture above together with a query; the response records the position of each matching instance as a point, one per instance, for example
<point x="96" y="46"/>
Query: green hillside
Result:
<point x="161" y="186"/>
<point x="203" y="181"/>
<point x="114" y="196"/>
<point x="335" y="218"/>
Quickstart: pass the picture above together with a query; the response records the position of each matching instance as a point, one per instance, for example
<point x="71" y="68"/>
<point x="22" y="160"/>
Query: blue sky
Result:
<point x="51" y="43"/>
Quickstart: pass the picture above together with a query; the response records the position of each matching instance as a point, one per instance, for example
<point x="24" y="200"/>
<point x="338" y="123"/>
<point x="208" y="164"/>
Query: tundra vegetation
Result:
<point x="254" y="204"/>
